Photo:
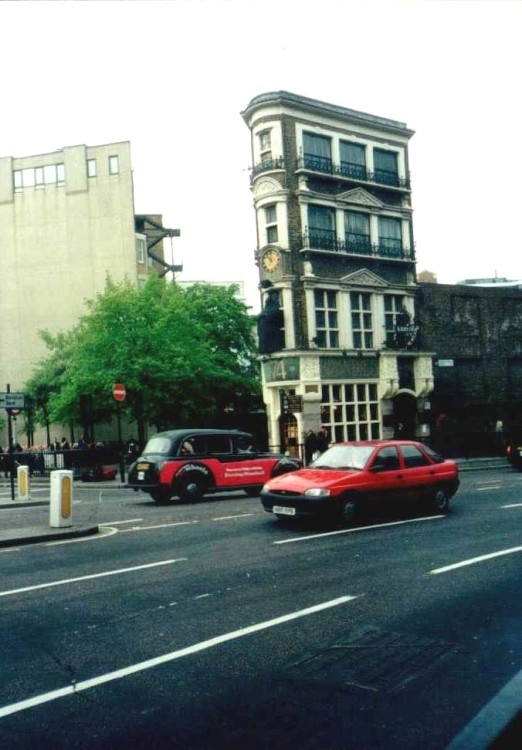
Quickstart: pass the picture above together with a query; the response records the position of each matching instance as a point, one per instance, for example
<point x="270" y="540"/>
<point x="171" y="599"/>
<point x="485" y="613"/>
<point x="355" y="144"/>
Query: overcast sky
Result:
<point x="173" y="76"/>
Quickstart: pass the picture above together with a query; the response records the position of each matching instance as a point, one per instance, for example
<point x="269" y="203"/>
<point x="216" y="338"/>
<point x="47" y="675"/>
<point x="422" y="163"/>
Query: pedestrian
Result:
<point x="322" y="440"/>
<point x="310" y="446"/>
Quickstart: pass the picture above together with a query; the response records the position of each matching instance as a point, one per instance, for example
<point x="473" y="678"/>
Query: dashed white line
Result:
<point x="118" y="674"/>
<point x="353" y="531"/>
<point x="158" y="526"/>
<point x="474" y="560"/>
<point x="91" y="577"/>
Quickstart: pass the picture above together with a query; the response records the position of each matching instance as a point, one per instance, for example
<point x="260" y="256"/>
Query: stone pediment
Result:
<point x="364" y="277"/>
<point x="360" y="197"/>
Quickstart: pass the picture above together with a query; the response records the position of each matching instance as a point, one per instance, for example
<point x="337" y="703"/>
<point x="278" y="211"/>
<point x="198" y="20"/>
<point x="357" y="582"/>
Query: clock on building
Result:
<point x="270" y="259"/>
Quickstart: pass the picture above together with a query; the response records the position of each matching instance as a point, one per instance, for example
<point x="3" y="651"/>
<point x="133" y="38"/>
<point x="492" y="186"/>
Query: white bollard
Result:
<point x="60" y="511"/>
<point x="23" y="491"/>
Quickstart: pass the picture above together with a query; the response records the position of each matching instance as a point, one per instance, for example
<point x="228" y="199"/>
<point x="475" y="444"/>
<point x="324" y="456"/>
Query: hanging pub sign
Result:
<point x="405" y="331"/>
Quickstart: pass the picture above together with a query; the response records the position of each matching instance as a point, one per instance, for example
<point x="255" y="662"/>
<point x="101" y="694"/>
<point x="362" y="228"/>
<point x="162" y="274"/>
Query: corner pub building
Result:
<point x="338" y="340"/>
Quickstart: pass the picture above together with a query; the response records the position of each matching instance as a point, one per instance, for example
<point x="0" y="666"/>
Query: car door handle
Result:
<point x="400" y="476"/>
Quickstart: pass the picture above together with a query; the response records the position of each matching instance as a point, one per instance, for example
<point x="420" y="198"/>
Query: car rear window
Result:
<point x="158" y="445"/>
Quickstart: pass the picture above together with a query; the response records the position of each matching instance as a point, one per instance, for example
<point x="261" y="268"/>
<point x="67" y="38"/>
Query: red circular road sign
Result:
<point x="119" y="392"/>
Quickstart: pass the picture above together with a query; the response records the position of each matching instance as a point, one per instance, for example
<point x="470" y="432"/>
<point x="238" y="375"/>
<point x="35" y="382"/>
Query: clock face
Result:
<point x="270" y="260"/>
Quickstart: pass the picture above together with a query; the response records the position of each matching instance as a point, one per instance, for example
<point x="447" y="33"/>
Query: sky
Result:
<point x="172" y="77"/>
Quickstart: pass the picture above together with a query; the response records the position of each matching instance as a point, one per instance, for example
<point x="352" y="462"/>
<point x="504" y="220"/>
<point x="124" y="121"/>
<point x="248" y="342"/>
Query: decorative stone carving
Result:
<point x="364" y="277"/>
<point x="361" y="197"/>
<point x="266" y="186"/>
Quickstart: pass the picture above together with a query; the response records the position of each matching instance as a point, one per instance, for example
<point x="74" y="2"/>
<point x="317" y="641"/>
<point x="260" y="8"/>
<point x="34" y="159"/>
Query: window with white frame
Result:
<point x="357" y="232"/>
<point x="91" y="167"/>
<point x="390" y="237"/>
<point x="385" y="167"/>
<point x="362" y="320"/>
<point x="322" y="233"/>
<point x="317" y="152"/>
<point x="39" y="177"/>
<point x="326" y="319"/>
<point x="141" y="246"/>
<point x="350" y="411"/>
<point x="114" y="165"/>
<point x="271" y="223"/>
<point x="393" y="305"/>
<point x="265" y="146"/>
<point x="353" y="160"/>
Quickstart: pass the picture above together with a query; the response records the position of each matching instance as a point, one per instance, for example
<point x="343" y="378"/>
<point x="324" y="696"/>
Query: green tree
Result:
<point x="181" y="353"/>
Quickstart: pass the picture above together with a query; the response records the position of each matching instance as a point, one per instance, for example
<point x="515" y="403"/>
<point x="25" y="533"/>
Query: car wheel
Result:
<point x="440" y="502"/>
<point x="350" y="508"/>
<point x="254" y="491"/>
<point x="191" y="489"/>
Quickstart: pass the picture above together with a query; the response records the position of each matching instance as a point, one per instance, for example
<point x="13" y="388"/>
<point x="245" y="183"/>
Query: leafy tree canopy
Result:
<point x="181" y="354"/>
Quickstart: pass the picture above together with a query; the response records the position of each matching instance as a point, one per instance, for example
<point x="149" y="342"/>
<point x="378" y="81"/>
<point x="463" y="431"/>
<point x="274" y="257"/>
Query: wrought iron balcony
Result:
<point x="326" y="239"/>
<point x="353" y="172"/>
<point x="267" y="165"/>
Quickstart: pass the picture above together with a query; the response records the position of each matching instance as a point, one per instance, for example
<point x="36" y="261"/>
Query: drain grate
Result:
<point x="373" y="660"/>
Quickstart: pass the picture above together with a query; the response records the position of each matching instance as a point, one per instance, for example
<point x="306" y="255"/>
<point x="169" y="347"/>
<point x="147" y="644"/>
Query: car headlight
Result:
<point x="317" y="492"/>
<point x="265" y="488"/>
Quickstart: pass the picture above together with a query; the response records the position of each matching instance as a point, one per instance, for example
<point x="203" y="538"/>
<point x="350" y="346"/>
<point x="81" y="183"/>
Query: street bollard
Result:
<point x="23" y="484"/>
<point x="60" y="511"/>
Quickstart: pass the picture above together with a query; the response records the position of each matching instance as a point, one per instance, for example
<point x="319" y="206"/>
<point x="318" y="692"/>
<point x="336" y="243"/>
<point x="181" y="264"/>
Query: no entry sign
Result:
<point x="119" y="392"/>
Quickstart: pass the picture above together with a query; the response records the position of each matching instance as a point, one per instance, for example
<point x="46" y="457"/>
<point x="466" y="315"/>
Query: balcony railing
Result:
<point x="325" y="239"/>
<point x="267" y="165"/>
<point x="350" y="171"/>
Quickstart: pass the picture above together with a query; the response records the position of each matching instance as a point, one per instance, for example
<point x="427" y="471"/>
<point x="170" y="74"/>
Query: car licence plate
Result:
<point x="141" y="476"/>
<point x="281" y="510"/>
<point x="142" y="467"/>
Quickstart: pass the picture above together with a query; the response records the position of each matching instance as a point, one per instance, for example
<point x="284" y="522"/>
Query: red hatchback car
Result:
<point x="350" y="477"/>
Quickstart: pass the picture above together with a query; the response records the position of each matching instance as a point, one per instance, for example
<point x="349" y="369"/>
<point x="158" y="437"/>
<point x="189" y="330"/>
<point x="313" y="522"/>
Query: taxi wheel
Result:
<point x="191" y="489"/>
<point x="350" y="508"/>
<point x="440" y="503"/>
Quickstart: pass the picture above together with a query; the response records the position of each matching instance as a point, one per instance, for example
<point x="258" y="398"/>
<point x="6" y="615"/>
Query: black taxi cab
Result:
<point x="189" y="464"/>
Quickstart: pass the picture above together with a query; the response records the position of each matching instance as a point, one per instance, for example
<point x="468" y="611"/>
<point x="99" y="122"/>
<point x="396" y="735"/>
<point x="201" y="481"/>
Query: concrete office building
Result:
<point x="67" y="221"/>
<point x="335" y="250"/>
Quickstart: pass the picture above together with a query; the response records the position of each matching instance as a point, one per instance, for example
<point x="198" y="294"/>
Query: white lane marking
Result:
<point x="486" y="489"/>
<point x="158" y="526"/>
<point x="231" y="518"/>
<point x="118" y="674"/>
<point x="474" y="560"/>
<point x="117" y="523"/>
<point x="352" y="531"/>
<point x="513" y="505"/>
<point x="104" y="532"/>
<point x="91" y="577"/>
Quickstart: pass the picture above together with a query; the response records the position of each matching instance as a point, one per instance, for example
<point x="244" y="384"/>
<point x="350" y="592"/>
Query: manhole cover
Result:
<point x="373" y="660"/>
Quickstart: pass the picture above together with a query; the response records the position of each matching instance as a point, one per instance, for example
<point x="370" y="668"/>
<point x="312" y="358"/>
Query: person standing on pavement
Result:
<point x="310" y="446"/>
<point x="322" y="440"/>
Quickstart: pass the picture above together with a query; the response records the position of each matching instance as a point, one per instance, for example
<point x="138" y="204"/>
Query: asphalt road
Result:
<point x="214" y="626"/>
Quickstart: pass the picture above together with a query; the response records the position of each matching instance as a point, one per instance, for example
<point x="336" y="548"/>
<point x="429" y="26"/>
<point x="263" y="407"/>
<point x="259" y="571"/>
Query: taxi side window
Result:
<point x="218" y="445"/>
<point x="243" y="444"/>
<point x="387" y="459"/>
<point x="413" y="456"/>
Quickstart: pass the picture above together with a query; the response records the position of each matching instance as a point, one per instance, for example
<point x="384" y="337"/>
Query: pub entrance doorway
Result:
<point x="405" y="415"/>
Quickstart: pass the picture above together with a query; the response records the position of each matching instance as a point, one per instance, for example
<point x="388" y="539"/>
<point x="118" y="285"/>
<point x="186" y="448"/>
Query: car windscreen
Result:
<point x="344" y="457"/>
<point x="157" y="445"/>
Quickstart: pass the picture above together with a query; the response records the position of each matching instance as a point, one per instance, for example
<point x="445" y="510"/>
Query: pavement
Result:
<point x="497" y="726"/>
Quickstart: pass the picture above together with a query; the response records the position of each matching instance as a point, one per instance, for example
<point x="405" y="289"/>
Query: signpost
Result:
<point x="119" y="393"/>
<point x="13" y="403"/>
